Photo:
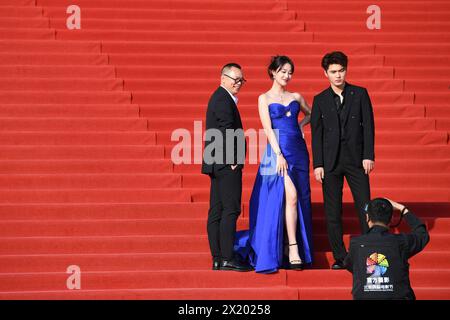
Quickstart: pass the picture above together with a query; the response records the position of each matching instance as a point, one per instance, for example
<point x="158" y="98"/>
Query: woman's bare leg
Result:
<point x="291" y="219"/>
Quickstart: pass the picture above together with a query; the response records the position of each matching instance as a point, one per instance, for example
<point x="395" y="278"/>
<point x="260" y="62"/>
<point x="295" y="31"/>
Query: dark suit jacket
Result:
<point x="223" y="114"/>
<point x="359" y="128"/>
<point x="397" y="248"/>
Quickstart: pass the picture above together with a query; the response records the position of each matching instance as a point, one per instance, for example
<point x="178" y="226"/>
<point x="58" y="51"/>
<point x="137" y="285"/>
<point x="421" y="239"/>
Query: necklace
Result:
<point x="280" y="97"/>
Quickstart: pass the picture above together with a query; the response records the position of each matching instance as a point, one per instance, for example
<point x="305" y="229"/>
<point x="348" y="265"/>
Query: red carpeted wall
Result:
<point x="86" y="117"/>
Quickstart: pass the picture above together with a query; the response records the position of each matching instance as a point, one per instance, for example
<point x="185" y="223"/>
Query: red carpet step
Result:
<point x="67" y="166"/>
<point x="197" y="279"/>
<point x="70" y="110"/>
<point x="160" y="261"/>
<point x="52" y="137"/>
<point x="159" y="210"/>
<point x="159" y="227"/>
<point x="43" y="60"/>
<point x="83" y="152"/>
<point x="272" y="293"/>
<point x="181" y="25"/>
<point x="146" y="244"/>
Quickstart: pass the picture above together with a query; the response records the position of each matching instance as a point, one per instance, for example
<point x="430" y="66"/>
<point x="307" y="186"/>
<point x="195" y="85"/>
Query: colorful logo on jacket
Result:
<point x="377" y="265"/>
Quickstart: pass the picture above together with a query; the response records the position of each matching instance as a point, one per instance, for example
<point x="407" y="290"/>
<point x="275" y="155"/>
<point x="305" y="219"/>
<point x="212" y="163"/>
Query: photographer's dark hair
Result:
<point x="228" y="66"/>
<point x="380" y="210"/>
<point x="335" y="57"/>
<point x="277" y="62"/>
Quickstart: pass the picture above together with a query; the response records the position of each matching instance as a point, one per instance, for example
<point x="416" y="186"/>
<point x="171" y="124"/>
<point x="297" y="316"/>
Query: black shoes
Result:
<point x="234" y="265"/>
<point x="338" y="265"/>
<point x="216" y="264"/>
<point x="298" y="265"/>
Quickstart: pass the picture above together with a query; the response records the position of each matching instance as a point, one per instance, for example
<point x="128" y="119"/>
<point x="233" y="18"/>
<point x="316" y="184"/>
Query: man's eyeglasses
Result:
<point x="236" y="81"/>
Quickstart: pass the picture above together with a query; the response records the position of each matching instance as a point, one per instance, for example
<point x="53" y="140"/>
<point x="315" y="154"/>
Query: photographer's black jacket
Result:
<point x="379" y="261"/>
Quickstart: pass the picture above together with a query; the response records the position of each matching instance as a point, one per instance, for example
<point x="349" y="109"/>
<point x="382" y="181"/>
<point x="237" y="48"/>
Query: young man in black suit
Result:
<point x="343" y="134"/>
<point x="223" y="160"/>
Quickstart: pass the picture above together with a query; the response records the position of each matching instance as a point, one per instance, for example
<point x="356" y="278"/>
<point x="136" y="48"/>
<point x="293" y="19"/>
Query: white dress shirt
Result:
<point x="235" y="99"/>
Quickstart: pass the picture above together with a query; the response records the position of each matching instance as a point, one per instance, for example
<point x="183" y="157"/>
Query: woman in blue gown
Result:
<point x="280" y="204"/>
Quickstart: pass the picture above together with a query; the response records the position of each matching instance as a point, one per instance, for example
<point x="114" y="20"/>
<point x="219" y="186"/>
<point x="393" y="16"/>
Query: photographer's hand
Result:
<point x="398" y="206"/>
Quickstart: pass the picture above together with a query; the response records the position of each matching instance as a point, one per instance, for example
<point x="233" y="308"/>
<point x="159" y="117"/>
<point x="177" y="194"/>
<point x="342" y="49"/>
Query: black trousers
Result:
<point x="333" y="184"/>
<point x="224" y="210"/>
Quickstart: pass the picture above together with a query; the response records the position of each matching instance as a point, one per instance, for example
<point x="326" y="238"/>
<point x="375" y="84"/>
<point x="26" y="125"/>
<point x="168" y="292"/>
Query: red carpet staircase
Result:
<point x="86" y="117"/>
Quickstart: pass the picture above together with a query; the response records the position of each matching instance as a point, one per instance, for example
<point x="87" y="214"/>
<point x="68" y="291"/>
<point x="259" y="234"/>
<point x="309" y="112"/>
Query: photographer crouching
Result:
<point x="379" y="259"/>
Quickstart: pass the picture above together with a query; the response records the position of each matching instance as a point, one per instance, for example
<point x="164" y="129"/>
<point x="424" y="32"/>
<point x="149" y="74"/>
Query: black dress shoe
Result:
<point x="216" y="264"/>
<point x="234" y="265"/>
<point x="338" y="265"/>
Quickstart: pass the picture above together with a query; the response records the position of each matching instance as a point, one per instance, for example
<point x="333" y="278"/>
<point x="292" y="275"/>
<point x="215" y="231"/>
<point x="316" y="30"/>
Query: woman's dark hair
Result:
<point x="380" y="210"/>
<point x="335" y="57"/>
<point x="277" y="63"/>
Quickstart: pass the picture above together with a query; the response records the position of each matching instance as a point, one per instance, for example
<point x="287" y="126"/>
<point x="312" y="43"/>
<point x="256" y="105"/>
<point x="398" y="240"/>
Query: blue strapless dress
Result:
<point x="263" y="244"/>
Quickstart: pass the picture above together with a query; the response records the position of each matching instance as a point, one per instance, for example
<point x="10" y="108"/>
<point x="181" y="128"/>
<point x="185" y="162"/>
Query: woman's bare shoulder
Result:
<point x="262" y="98"/>
<point x="297" y="96"/>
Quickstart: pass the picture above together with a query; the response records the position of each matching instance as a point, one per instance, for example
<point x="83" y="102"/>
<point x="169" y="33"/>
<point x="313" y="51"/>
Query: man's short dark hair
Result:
<point x="228" y="66"/>
<point x="380" y="210"/>
<point x="335" y="57"/>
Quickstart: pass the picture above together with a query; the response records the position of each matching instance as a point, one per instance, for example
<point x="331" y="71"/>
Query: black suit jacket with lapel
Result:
<point x="359" y="128"/>
<point x="222" y="114"/>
